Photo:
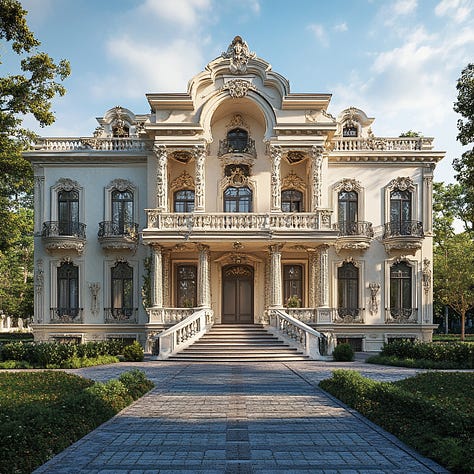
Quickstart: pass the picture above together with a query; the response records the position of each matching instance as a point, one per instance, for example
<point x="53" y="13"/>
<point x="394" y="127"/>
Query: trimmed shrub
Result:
<point x="136" y="382"/>
<point x="114" y="394"/>
<point x="343" y="353"/>
<point x="133" y="352"/>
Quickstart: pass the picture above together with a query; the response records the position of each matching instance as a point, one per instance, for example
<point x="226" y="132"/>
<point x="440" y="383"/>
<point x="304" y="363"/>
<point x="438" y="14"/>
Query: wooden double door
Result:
<point x="237" y="294"/>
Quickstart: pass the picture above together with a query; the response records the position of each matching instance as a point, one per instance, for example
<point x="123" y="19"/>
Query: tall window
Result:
<point x="293" y="285"/>
<point x="348" y="290"/>
<point x="237" y="199"/>
<point x="237" y="139"/>
<point x="186" y="284"/>
<point x="68" y="212"/>
<point x="122" y="211"/>
<point x="68" y="290"/>
<point x="184" y="201"/>
<point x="122" y="289"/>
<point x="400" y="211"/>
<point x="291" y="200"/>
<point x="400" y="289"/>
<point x="347" y="211"/>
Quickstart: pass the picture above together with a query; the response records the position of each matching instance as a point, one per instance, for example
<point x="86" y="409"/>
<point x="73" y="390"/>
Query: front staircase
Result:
<point x="238" y="343"/>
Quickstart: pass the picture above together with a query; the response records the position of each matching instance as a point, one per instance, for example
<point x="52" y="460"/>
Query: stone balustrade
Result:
<point x="382" y="144"/>
<point x="91" y="143"/>
<point x="168" y="315"/>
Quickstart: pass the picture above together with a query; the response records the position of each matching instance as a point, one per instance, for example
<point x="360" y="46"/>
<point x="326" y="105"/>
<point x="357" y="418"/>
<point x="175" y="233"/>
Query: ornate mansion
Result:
<point x="236" y="202"/>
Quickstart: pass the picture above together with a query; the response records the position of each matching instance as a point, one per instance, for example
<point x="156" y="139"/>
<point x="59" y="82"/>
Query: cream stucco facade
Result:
<point x="241" y="198"/>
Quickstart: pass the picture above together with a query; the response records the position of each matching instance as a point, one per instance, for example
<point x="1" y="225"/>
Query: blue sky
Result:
<point x="398" y="60"/>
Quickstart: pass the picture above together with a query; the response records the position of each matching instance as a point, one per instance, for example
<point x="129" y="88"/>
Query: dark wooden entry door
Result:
<point x="237" y="294"/>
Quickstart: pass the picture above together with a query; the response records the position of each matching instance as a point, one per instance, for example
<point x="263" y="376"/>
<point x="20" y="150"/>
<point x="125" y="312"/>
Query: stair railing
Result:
<point x="183" y="334"/>
<point x="296" y="333"/>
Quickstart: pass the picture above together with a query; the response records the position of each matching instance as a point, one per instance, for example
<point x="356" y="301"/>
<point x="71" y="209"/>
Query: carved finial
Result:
<point x="239" y="54"/>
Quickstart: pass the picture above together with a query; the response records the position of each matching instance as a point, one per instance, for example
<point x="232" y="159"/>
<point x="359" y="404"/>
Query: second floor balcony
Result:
<point x="403" y="235"/>
<point x="64" y="235"/>
<point x="66" y="315"/>
<point x="232" y="225"/>
<point x="118" y="236"/>
<point x="354" y="235"/>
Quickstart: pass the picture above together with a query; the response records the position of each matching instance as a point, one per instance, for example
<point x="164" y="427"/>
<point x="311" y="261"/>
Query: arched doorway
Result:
<point x="237" y="294"/>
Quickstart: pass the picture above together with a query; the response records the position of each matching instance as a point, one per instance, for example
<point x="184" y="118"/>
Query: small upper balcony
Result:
<point x="354" y="235"/>
<point x="403" y="235"/>
<point x="244" y="147"/>
<point x="64" y="235"/>
<point x="118" y="236"/>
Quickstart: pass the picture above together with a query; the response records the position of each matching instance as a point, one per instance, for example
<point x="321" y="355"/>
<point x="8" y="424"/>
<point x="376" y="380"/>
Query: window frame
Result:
<point x="187" y="201"/>
<point x="286" y="282"/>
<point x="238" y="199"/>
<point x="291" y="201"/>
<point x="177" y="280"/>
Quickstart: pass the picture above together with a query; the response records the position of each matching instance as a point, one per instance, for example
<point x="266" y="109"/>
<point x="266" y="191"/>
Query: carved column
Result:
<point x="200" y="189"/>
<point x="38" y="204"/>
<point x="157" y="277"/>
<point x="316" y="179"/>
<point x="428" y="200"/>
<point x="166" y="277"/>
<point x="324" y="275"/>
<point x="161" y="178"/>
<point x="204" y="283"/>
<point x="313" y="286"/>
<point x="276" y="300"/>
<point x="275" y="153"/>
<point x="39" y="294"/>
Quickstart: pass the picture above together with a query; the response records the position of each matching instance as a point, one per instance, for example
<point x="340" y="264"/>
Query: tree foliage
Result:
<point x="464" y="166"/>
<point x="27" y="92"/>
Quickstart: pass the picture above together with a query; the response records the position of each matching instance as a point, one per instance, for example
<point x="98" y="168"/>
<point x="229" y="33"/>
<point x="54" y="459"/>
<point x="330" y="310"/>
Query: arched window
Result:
<point x="237" y="140"/>
<point x="67" y="290"/>
<point x="186" y="284"/>
<point x="348" y="203"/>
<point x="184" y="200"/>
<point x="400" y="290"/>
<point x="293" y="285"/>
<point x="68" y="212"/>
<point x="348" y="290"/>
<point x="237" y="199"/>
<point x="122" y="290"/>
<point x="122" y="211"/>
<point x="291" y="200"/>
<point x="400" y="212"/>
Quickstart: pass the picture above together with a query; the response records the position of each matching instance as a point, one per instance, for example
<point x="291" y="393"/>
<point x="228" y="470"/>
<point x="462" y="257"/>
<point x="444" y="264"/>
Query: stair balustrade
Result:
<point x="184" y="333"/>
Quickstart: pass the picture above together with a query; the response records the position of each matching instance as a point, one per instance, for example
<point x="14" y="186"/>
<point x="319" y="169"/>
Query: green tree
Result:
<point x="464" y="166"/>
<point x="28" y="91"/>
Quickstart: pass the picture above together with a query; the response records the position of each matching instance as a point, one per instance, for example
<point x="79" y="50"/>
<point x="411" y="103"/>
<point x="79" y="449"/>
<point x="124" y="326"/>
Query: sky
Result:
<point x="398" y="60"/>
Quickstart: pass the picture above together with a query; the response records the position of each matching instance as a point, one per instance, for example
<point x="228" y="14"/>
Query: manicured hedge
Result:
<point x="42" y="413"/>
<point x="431" y="412"/>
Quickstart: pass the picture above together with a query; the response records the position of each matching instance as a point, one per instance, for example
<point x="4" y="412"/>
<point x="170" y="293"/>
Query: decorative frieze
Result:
<point x="374" y="288"/>
<point x="238" y="88"/>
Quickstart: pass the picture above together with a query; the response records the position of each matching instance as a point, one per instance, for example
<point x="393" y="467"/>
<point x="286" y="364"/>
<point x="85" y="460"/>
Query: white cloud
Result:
<point x="319" y="32"/>
<point x="341" y="27"/>
<point x="404" y="7"/>
<point x="458" y="10"/>
<point x="185" y="13"/>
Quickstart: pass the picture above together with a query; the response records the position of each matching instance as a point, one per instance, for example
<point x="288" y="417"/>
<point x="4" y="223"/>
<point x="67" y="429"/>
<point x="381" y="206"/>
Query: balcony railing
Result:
<point x="358" y="228"/>
<point x="65" y="315"/>
<point x="230" y="146"/>
<point x="64" y="229"/>
<point x="383" y="144"/>
<point x="115" y="229"/>
<point x="92" y="143"/>
<point x="232" y="221"/>
<point x="403" y="228"/>
<point x="121" y="315"/>
<point x="401" y="315"/>
<point x="348" y="316"/>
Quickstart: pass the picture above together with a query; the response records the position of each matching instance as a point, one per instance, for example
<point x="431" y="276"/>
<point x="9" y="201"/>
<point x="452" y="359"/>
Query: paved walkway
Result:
<point x="239" y="418"/>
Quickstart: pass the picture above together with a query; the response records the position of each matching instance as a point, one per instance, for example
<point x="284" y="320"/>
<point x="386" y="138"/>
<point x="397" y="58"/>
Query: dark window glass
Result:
<point x="186" y="285"/>
<point x="68" y="212"/>
<point x="68" y="289"/>
<point x="400" y="286"/>
<point x="348" y="288"/>
<point x="237" y="139"/>
<point x="184" y="201"/>
<point x="291" y="200"/>
<point x="122" y="286"/>
<point x="237" y="199"/>
<point x="293" y="283"/>
<point x="349" y="132"/>
<point x="400" y="206"/>
<point x="347" y="207"/>
<point x="122" y="210"/>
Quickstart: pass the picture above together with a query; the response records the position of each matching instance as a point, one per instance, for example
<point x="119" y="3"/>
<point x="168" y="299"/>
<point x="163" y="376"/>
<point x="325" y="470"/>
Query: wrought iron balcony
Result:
<point x="121" y="315"/>
<point x="401" y="315"/>
<point x="231" y="146"/>
<point x="65" y="315"/>
<point x="355" y="235"/>
<point x="403" y="235"/>
<point x="348" y="316"/>
<point x="113" y="235"/>
<point x="64" y="235"/>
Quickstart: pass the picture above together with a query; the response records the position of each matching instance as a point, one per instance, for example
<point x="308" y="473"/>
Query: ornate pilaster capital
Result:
<point x="202" y="248"/>
<point x="160" y="151"/>
<point x="157" y="248"/>
<point x="275" y="248"/>
<point x="317" y="152"/>
<point x="275" y="152"/>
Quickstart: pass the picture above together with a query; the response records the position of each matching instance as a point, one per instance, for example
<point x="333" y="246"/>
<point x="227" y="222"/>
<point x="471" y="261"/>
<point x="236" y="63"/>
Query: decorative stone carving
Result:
<point x="426" y="276"/>
<point x="182" y="156"/>
<point x="402" y="184"/>
<point x="204" y="283"/>
<point x="183" y="181"/>
<point x="200" y="190"/>
<point x="157" y="277"/>
<point x="275" y="152"/>
<point x="237" y="178"/>
<point x="237" y="121"/>
<point x="66" y="184"/>
<point x="275" y="275"/>
<point x="323" y="275"/>
<point x="94" y="287"/>
<point x="238" y="88"/>
<point x="239" y="54"/>
<point x="39" y="276"/>
<point x="374" y="289"/>
<point x="348" y="185"/>
<point x="60" y="243"/>
<point x="294" y="157"/>
<point x="121" y="185"/>
<point x="293" y="181"/>
<point x="316" y="172"/>
<point x="161" y="177"/>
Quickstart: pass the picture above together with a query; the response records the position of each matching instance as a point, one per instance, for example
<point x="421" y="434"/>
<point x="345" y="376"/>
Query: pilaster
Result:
<point x="204" y="283"/>
<point x="323" y="276"/>
<point x="316" y="177"/>
<point x="200" y="189"/>
<point x="313" y="278"/>
<point x="161" y="178"/>
<point x="276" y="300"/>
<point x="38" y="203"/>
<point x="275" y="153"/>
<point x="157" y="277"/>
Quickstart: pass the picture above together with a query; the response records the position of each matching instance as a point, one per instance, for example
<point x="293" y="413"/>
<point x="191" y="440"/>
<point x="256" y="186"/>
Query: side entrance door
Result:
<point x="237" y="294"/>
